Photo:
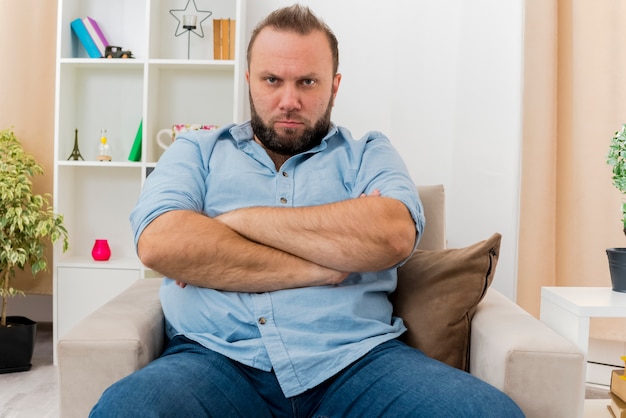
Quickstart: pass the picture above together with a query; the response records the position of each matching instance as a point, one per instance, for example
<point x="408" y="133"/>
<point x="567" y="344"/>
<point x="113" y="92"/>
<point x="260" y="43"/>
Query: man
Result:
<point x="280" y="240"/>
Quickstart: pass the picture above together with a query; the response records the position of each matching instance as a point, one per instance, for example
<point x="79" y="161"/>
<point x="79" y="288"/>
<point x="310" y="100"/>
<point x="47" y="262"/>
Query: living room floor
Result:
<point x="34" y="394"/>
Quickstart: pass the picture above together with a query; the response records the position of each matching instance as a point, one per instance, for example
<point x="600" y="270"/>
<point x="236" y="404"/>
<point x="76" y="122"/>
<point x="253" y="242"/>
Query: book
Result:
<point x="135" y="150"/>
<point x="618" y="384"/>
<point x="231" y="38"/>
<point x="617" y="407"/>
<point x="225" y="28"/>
<point x="78" y="27"/>
<point x="96" y="34"/>
<point x="224" y="39"/>
<point x="217" y="39"/>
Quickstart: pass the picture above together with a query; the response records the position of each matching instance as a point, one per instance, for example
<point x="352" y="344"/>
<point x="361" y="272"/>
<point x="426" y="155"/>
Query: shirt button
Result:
<point x="285" y="174"/>
<point x="283" y="200"/>
<point x="262" y="320"/>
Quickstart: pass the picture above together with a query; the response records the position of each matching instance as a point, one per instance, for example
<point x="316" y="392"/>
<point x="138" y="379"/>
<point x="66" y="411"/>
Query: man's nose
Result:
<point x="290" y="98"/>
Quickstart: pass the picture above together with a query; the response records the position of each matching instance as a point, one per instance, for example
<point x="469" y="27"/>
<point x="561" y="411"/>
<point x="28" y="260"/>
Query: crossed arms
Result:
<point x="262" y="249"/>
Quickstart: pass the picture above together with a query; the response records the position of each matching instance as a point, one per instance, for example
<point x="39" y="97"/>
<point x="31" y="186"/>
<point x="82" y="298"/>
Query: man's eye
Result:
<point x="308" y="82"/>
<point x="271" y="80"/>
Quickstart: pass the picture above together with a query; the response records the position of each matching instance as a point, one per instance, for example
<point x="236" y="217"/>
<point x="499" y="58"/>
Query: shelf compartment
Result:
<point x="163" y="42"/>
<point x="185" y="95"/>
<point x="96" y="203"/>
<point x="96" y="97"/>
<point x="123" y="23"/>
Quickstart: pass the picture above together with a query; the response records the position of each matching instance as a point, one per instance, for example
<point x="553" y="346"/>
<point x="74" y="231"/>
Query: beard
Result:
<point x="287" y="141"/>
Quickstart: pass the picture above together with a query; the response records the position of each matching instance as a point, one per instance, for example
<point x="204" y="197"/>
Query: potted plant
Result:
<point x="27" y="224"/>
<point x="617" y="159"/>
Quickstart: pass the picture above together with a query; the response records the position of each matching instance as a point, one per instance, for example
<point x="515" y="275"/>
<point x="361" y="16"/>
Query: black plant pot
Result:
<point x="617" y="268"/>
<point x="17" y="342"/>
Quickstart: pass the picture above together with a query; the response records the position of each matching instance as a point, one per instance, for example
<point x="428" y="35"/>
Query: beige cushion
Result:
<point x="433" y="199"/>
<point x="437" y="295"/>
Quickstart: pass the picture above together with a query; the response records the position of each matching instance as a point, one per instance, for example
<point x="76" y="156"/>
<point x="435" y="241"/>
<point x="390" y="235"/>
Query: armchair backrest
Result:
<point x="433" y="199"/>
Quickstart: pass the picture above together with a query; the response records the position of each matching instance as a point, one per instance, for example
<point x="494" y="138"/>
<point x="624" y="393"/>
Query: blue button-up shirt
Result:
<point x="305" y="335"/>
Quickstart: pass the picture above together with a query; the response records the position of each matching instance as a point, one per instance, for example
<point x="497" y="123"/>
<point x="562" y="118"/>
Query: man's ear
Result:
<point x="336" y="82"/>
<point x="248" y="77"/>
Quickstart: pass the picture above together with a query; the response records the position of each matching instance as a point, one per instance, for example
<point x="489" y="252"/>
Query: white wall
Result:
<point x="443" y="79"/>
<point x="37" y="308"/>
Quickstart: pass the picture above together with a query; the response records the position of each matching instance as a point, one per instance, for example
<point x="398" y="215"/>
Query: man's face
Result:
<point x="292" y="90"/>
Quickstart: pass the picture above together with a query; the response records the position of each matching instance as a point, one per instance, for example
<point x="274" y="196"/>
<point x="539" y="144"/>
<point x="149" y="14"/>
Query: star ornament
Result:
<point x="179" y="13"/>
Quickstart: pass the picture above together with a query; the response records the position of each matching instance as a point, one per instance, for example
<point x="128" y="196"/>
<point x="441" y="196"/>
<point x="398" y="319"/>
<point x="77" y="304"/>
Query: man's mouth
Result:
<point x="288" y="123"/>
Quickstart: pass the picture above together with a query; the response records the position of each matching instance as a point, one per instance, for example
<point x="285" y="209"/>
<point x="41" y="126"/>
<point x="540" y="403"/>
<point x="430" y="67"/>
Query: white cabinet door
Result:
<point x="80" y="291"/>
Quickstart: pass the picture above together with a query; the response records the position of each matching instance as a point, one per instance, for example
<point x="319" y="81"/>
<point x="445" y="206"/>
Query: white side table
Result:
<point x="567" y="310"/>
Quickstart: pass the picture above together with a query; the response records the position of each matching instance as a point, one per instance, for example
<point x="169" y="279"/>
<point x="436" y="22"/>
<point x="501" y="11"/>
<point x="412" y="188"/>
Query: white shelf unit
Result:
<point x="159" y="86"/>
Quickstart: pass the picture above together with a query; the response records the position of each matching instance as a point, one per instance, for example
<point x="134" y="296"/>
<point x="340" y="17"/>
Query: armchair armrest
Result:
<point x="520" y="355"/>
<point x="120" y="337"/>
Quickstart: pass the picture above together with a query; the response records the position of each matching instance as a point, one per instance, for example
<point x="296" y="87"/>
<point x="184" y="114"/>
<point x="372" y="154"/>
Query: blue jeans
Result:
<point x="393" y="380"/>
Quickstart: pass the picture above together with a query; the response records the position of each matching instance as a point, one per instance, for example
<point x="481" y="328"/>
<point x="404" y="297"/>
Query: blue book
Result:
<point x="85" y="39"/>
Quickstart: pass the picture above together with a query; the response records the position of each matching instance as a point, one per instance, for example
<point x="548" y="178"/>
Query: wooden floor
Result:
<point x="32" y="394"/>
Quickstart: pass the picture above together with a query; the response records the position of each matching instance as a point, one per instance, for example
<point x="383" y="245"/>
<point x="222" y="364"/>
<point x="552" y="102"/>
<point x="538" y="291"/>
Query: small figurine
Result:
<point x="75" y="155"/>
<point x="116" y="52"/>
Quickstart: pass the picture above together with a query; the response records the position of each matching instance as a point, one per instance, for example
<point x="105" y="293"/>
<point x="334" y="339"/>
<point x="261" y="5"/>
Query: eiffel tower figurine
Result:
<point x="75" y="155"/>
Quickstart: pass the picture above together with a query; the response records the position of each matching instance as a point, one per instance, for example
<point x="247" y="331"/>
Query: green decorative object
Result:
<point x="135" y="151"/>
<point x="27" y="220"/>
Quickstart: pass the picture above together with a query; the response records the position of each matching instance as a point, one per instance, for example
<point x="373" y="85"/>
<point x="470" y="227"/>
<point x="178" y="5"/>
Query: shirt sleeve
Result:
<point x="176" y="183"/>
<point x="382" y="168"/>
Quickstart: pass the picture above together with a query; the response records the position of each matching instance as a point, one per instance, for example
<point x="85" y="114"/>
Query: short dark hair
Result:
<point x="298" y="19"/>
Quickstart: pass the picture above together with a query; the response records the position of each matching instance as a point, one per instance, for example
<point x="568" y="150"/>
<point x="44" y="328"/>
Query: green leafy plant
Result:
<point x="617" y="159"/>
<point x="27" y="221"/>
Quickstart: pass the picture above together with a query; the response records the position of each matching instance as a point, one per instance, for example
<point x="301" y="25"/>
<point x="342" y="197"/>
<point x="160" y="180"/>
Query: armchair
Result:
<point x="509" y="348"/>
